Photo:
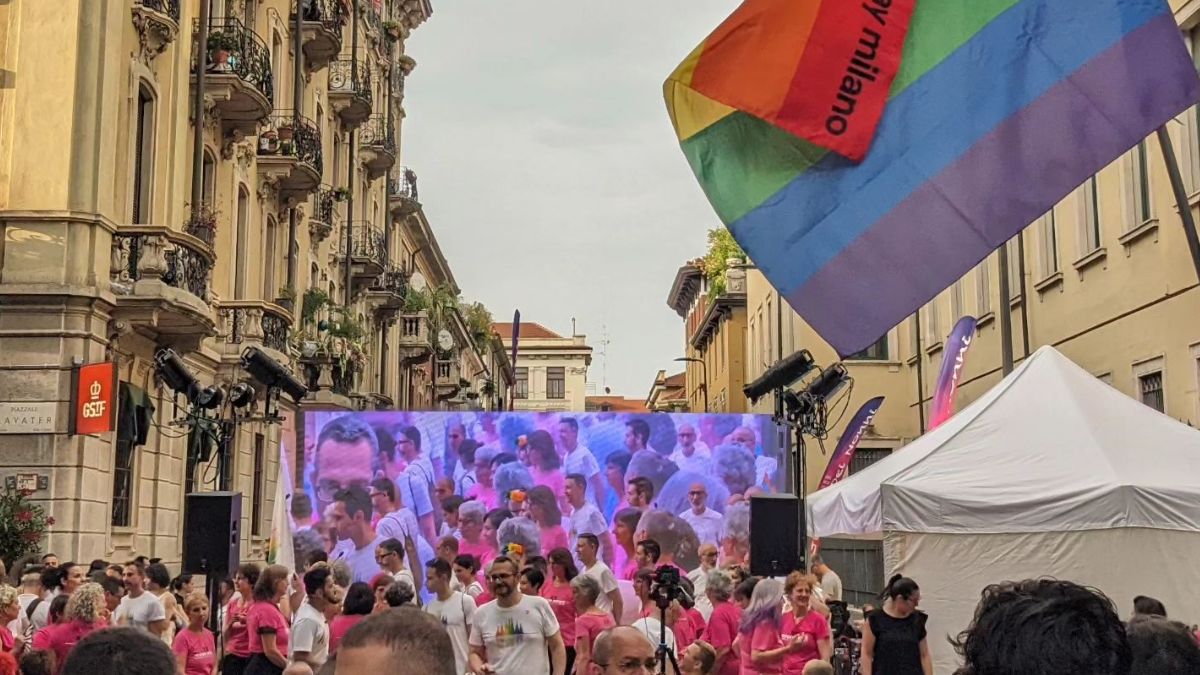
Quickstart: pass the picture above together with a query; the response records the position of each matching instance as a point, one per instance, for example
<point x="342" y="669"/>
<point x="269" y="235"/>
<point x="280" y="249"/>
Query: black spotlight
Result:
<point x="174" y="372"/>
<point x="210" y="398"/>
<point x="780" y="375"/>
<point x="829" y="382"/>
<point x="270" y="373"/>
<point x="241" y="395"/>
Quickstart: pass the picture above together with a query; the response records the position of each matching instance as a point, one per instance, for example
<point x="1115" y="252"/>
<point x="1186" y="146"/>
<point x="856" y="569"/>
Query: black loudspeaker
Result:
<point x="211" y="533"/>
<point x="774" y="535"/>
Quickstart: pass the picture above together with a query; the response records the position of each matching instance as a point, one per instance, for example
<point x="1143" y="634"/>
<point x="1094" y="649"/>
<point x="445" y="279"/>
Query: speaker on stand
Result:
<point x="212" y="541"/>
<point x="774" y="535"/>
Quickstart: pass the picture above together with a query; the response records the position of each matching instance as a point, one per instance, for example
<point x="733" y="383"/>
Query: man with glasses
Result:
<point x="346" y="454"/>
<point x="704" y="521"/>
<point x="415" y="481"/>
<point x="691" y="454"/>
<point x="623" y="650"/>
<point x="510" y="635"/>
<point x="397" y="521"/>
<point x="351" y="520"/>
<point x="389" y="555"/>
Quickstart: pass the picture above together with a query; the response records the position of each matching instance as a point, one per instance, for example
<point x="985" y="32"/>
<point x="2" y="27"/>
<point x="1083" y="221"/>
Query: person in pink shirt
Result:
<point x="624" y="526"/>
<point x="237" y="640"/>
<point x="471" y="516"/>
<point x="723" y="623"/>
<point x="491" y="527"/>
<point x="543" y="510"/>
<point x="267" y="628"/>
<point x="590" y="620"/>
<point x="557" y="591"/>
<point x="81" y="617"/>
<point x="10" y="611"/>
<point x="484" y="490"/>
<point x="194" y="646"/>
<point x="545" y="463"/>
<point x="760" y="641"/>
<point x="804" y="627"/>
<point x="356" y="606"/>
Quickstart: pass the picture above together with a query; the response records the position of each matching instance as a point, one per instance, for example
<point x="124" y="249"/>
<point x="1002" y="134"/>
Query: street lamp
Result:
<point x="704" y="372"/>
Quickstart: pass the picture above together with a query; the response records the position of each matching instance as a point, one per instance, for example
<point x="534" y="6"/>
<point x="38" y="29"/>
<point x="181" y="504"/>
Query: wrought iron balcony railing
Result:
<point x="144" y="252"/>
<point x="327" y="12"/>
<point x="368" y="242"/>
<point x="350" y="76"/>
<point x="253" y="320"/>
<point x="291" y="135"/>
<point x="377" y="132"/>
<point x="233" y="48"/>
<point x="168" y="7"/>
<point x="403" y="183"/>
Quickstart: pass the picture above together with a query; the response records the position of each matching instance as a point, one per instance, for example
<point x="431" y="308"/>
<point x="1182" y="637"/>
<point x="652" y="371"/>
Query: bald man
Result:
<point x="620" y="651"/>
<point x="403" y="641"/>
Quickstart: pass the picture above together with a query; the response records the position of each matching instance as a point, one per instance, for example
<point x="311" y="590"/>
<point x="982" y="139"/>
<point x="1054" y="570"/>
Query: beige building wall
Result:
<point x="537" y="354"/>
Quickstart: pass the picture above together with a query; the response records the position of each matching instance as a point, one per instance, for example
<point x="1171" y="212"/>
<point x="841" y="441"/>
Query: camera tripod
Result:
<point x="663" y="653"/>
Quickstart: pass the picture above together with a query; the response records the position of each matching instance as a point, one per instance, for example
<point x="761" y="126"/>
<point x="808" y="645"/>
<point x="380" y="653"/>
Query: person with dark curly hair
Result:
<point x="1162" y="647"/>
<point x="1043" y="627"/>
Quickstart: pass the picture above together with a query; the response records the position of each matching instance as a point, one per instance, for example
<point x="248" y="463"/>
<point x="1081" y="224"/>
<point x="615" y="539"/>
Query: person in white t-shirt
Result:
<point x="510" y="635"/>
<point x="691" y="454"/>
<point x="454" y="609"/>
<point x="310" y="633"/>
<point x="579" y="459"/>
<point x="585" y="518"/>
<point x="415" y="483"/>
<point x="351" y="519"/>
<point x="704" y="521"/>
<point x="397" y="521"/>
<point x="610" y="599"/>
<point x="139" y="608"/>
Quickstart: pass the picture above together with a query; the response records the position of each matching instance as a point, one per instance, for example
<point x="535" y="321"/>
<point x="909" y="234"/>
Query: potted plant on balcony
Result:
<point x="220" y="44"/>
<point x="268" y="142"/>
<point x="341" y="194"/>
<point x="202" y="223"/>
<point x="392" y="28"/>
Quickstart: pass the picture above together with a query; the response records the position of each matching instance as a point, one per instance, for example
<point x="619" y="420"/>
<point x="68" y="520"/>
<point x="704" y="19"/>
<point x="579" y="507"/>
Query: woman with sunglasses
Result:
<point x="194" y="646"/>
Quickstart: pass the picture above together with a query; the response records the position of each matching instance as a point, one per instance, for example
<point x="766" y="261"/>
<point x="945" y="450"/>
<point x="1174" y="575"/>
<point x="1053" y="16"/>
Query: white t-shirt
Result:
<point x="586" y="519"/>
<point x="831" y="586"/>
<point x="139" y="612"/>
<point x="361" y="561"/>
<point x="699" y="579"/>
<point x="310" y="634"/>
<point x="455" y="613"/>
<point x="700" y="461"/>
<point x="415" y="484"/>
<point x="707" y="525"/>
<point x="515" y="637"/>
<point x="19" y="625"/>
<point x="608" y="583"/>
<point x="402" y="522"/>
<point x="651" y="628"/>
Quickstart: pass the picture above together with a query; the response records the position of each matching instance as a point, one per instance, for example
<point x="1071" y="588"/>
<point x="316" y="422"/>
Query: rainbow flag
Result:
<point x="998" y="110"/>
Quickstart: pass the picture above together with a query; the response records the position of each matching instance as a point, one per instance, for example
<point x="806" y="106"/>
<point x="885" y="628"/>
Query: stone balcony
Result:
<point x="446" y="379"/>
<point x="162" y="278"/>
<point x="330" y="381"/>
<point x="385" y="297"/>
<point x="377" y="144"/>
<point x="350" y="91"/>
<point x="289" y="154"/>
<point x="266" y="324"/>
<point x="157" y="24"/>
<point x="402" y="192"/>
<point x="324" y="216"/>
<point x="414" y="343"/>
<point x="322" y="26"/>
<point x="238" y="75"/>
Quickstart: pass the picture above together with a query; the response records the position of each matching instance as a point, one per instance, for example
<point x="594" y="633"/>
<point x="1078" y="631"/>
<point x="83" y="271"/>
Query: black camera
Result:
<point x="665" y="586"/>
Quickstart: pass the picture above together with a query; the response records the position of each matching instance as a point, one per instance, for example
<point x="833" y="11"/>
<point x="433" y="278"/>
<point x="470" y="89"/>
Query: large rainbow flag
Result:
<point x="998" y="110"/>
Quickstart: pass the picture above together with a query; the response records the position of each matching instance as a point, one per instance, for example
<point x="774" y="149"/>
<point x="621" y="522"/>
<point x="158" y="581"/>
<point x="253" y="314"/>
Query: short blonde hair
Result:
<point x="192" y="599"/>
<point x="797" y="578"/>
<point x="85" y="604"/>
<point x="8" y="596"/>
<point x="818" y="667"/>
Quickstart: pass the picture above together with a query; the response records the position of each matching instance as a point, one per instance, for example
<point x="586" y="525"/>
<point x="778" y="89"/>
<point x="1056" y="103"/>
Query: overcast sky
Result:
<point x="549" y="171"/>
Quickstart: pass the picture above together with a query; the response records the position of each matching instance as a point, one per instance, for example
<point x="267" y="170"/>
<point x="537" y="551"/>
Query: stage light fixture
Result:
<point x="780" y="375"/>
<point x="829" y="382"/>
<point x="241" y="395"/>
<point x="271" y="374"/>
<point x="175" y="374"/>
<point x="210" y="398"/>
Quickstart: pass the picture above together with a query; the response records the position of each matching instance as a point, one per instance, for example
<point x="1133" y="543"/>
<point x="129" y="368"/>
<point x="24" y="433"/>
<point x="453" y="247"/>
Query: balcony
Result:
<point x="330" y="380"/>
<point x="324" y="214"/>
<point x="446" y="381"/>
<point x="161" y="279"/>
<point x="368" y="253"/>
<point x="386" y="295"/>
<point x="246" y="321"/>
<point x="378" y="143"/>
<point x="157" y="24"/>
<point x="322" y="22"/>
<point x="402" y="192"/>
<point x="239" y="76"/>
<point x="414" y="342"/>
<point x="289" y="153"/>
<point x="350" y="91"/>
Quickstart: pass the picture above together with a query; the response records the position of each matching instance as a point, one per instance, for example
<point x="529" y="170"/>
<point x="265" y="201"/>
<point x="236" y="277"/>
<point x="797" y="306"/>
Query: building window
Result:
<point x="983" y="288"/>
<point x="1014" y="269"/>
<point x="143" y="156"/>
<point x="522" y="389"/>
<point x="956" y="300"/>
<point x="933" y="333"/>
<point x="864" y="457"/>
<point x="1139" y="186"/>
<point x="1089" y="226"/>
<point x="914" y="338"/>
<point x="256" y="503"/>
<point x="269" y="269"/>
<point x="122" y="497"/>
<point x="1048" y="237"/>
<point x="1150" y="389"/>
<point x="209" y="175"/>
<point x="556" y="382"/>
<point x="876" y="352"/>
<point x="243" y="233"/>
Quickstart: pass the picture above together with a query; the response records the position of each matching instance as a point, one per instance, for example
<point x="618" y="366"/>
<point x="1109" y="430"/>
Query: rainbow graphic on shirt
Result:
<point x="509" y="634"/>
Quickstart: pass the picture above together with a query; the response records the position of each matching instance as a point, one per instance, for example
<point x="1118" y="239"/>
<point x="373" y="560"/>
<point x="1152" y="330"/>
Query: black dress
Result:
<point x="897" y="643"/>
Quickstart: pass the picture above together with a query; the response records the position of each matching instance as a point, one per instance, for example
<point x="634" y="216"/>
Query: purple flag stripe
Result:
<point x="955" y="220"/>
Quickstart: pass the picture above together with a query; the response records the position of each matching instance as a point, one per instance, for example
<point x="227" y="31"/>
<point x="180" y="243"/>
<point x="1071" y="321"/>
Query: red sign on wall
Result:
<point x="94" y="405"/>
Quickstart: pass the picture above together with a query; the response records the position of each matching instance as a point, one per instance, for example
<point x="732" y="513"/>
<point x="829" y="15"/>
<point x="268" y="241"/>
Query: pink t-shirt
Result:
<point x="486" y="495"/>
<point x="60" y="638"/>
<point x="479" y="549"/>
<point x="697" y="621"/>
<point x="685" y="633"/>
<point x="590" y="626"/>
<point x="237" y="640"/>
<point x="562" y="601"/>
<point x="722" y="630"/>
<point x="764" y="638"/>
<point x="265" y="617"/>
<point x="815" y="626"/>
<point x="198" y="649"/>
<point x="552" y="479"/>
<point x="338" y="627"/>
<point x="554" y="537"/>
<point x="6" y="639"/>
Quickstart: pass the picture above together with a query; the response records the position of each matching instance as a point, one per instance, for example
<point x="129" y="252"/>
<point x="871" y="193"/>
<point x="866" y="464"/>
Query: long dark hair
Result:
<point x="561" y="556"/>
<point x="900" y="586"/>
<point x="544" y="497"/>
<point x="544" y="455"/>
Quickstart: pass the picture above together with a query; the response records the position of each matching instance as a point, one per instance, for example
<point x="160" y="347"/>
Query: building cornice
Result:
<point x="685" y="288"/>
<point x="719" y="309"/>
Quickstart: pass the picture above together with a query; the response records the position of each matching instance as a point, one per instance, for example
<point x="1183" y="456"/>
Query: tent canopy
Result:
<point x="1050" y="448"/>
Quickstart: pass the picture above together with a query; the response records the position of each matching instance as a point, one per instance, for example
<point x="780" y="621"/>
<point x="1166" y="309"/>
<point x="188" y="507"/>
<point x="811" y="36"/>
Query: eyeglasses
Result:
<point x="328" y="489"/>
<point x="500" y="577"/>
<point x="632" y="665"/>
<point x="698" y="493"/>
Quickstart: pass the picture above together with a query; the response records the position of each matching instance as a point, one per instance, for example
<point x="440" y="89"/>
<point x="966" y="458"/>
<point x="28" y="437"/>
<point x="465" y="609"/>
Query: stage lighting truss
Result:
<point x="808" y="409"/>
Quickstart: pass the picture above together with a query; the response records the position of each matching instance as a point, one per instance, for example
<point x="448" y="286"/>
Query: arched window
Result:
<point x="243" y="233"/>
<point x="209" y="176"/>
<point x="277" y="69"/>
<point x="143" y="155"/>
<point x="270" y="286"/>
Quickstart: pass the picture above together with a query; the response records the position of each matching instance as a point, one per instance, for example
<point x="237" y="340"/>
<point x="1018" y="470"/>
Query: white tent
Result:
<point x="1050" y="473"/>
